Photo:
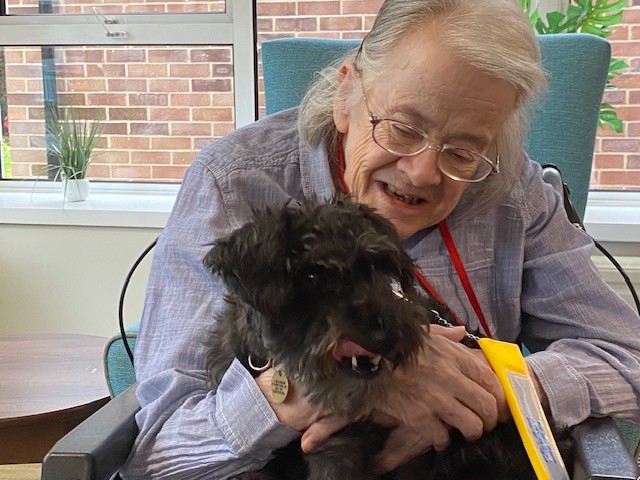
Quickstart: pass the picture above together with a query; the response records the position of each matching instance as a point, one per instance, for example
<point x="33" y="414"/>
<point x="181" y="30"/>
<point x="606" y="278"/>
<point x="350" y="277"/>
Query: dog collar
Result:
<point x="255" y="366"/>
<point x="279" y="382"/>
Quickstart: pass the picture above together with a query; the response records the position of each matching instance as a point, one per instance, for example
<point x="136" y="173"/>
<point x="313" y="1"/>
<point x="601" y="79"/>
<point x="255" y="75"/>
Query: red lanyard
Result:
<point x="453" y="253"/>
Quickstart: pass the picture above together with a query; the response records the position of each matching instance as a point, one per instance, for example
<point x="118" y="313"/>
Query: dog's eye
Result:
<point x="318" y="275"/>
<point x="313" y="277"/>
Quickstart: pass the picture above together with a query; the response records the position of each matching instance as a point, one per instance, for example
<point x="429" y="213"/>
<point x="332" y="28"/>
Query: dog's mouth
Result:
<point x="356" y="360"/>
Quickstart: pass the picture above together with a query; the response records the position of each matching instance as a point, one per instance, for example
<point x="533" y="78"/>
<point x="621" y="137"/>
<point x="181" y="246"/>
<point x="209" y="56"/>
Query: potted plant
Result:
<point x="71" y="142"/>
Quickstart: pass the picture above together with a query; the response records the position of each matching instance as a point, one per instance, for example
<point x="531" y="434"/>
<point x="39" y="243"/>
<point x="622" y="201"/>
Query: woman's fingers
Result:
<point x="295" y="411"/>
<point x="456" y="384"/>
<point x="451" y="386"/>
<point x="481" y="373"/>
<point x="455" y="334"/>
<point x="492" y="385"/>
<point x="406" y="442"/>
<point x="320" y="431"/>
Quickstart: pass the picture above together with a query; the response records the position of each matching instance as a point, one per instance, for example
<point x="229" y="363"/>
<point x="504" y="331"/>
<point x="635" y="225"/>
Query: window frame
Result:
<point x="235" y="27"/>
<point x="610" y="215"/>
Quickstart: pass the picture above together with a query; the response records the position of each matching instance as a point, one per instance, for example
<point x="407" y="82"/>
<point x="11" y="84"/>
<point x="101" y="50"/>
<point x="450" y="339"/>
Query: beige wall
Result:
<point x="68" y="279"/>
<point x="43" y="288"/>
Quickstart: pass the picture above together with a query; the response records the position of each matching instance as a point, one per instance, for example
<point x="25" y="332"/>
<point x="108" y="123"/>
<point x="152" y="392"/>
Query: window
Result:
<point x="617" y="156"/>
<point x="163" y="78"/>
<point x="155" y="126"/>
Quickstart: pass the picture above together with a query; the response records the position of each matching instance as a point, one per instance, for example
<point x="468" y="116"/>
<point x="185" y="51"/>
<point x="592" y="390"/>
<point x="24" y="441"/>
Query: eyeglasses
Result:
<point x="404" y="140"/>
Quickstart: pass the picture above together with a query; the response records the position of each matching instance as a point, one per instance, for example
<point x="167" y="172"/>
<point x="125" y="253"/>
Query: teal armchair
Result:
<point x="563" y="126"/>
<point x="564" y="121"/>
<point x="562" y="132"/>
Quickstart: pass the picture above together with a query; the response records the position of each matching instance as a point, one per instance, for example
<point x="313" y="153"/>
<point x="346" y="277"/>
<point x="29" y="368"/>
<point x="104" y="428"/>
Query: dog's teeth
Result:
<point x="354" y="362"/>
<point x="376" y="360"/>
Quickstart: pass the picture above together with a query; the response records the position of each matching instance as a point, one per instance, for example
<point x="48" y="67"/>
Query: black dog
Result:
<point x="326" y="293"/>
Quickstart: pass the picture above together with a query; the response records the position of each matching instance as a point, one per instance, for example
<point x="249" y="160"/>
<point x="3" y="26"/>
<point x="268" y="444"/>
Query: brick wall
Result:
<point x="162" y="105"/>
<point x="159" y="105"/>
<point x="617" y="159"/>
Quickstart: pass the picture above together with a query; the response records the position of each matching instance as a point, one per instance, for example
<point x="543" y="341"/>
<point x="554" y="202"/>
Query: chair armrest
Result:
<point x="100" y="445"/>
<point x="96" y="448"/>
<point x="600" y="452"/>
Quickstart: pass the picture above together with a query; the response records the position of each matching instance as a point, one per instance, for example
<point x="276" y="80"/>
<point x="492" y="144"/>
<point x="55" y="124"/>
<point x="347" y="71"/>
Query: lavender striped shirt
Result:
<point x="529" y="267"/>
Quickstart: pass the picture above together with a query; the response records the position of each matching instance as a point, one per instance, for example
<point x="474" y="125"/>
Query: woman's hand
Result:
<point x="452" y="386"/>
<point x="295" y="411"/>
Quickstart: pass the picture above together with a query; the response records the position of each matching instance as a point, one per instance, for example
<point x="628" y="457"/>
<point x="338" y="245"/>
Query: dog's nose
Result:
<point x="383" y="338"/>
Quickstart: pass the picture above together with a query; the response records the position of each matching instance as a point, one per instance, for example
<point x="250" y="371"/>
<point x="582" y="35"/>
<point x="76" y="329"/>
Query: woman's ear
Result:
<point x="346" y="77"/>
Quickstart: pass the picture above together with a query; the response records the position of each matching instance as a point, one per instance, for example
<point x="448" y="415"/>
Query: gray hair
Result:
<point x="493" y="36"/>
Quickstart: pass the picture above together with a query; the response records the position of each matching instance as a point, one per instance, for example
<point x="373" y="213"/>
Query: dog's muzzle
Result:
<point x="356" y="360"/>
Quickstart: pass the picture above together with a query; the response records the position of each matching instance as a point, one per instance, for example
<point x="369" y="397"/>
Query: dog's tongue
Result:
<point x="347" y="348"/>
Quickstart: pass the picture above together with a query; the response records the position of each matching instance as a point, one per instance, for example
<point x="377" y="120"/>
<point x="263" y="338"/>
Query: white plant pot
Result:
<point x="76" y="190"/>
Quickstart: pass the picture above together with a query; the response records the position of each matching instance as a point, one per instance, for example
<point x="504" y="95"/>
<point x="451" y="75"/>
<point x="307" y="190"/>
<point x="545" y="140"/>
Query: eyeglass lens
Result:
<point x="402" y="139"/>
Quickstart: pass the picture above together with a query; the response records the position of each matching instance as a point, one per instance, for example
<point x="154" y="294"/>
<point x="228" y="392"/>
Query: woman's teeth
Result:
<point x="411" y="200"/>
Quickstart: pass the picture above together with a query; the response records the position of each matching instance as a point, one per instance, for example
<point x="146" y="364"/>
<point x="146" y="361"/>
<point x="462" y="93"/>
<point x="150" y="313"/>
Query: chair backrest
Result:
<point x="118" y="369"/>
<point x="564" y="120"/>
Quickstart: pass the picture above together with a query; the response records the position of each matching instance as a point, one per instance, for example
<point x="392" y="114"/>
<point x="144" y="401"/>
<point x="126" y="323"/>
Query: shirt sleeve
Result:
<point x="590" y="362"/>
<point x="188" y="431"/>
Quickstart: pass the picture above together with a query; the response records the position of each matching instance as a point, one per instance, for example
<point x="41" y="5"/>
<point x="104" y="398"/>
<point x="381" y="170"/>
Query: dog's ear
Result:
<point x="384" y="248"/>
<point x="252" y="260"/>
<point x="222" y="261"/>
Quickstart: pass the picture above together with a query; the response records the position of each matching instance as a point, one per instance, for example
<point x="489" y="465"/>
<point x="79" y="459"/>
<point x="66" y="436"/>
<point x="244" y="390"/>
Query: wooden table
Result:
<point x="49" y="383"/>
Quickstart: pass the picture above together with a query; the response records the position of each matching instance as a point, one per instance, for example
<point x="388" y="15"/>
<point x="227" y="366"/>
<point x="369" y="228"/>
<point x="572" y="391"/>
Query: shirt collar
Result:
<point x="315" y="172"/>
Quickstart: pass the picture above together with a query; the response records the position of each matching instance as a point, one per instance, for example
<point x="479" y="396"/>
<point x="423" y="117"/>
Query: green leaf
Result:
<point x="555" y="22"/>
<point x="607" y="20"/>
<point x="615" y="124"/>
<point x="603" y="14"/>
<point x="584" y="7"/>
<point x="617" y="64"/>
<point x="616" y="67"/>
<point x="574" y="19"/>
<point x="71" y="141"/>
<point x="526" y="5"/>
<point x="594" y="30"/>
<point x="588" y="16"/>
<point x="532" y="15"/>
<point x="541" y="27"/>
<point x="603" y="6"/>
<point x="608" y="116"/>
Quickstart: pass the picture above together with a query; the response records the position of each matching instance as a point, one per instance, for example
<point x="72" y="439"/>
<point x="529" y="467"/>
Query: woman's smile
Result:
<point x="400" y="196"/>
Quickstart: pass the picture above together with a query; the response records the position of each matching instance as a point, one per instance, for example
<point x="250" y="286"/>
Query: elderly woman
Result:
<point x="424" y="123"/>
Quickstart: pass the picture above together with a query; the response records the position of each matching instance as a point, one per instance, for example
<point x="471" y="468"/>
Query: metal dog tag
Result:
<point x="279" y="386"/>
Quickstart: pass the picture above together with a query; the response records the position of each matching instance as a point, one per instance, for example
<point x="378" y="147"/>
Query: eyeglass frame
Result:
<point x="429" y="145"/>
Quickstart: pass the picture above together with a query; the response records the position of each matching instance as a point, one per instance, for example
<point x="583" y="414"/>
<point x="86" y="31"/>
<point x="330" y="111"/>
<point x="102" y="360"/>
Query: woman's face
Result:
<point x="425" y="87"/>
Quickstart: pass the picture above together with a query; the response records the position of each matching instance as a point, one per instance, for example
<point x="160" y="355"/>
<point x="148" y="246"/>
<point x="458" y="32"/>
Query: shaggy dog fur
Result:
<point x="327" y="293"/>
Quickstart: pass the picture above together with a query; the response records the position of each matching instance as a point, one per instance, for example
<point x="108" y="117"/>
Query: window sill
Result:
<point x="613" y="216"/>
<point x="610" y="216"/>
<point x="109" y="204"/>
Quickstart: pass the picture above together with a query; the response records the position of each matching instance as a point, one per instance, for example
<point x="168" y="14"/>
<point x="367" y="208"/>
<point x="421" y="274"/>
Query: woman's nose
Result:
<point x="421" y="170"/>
